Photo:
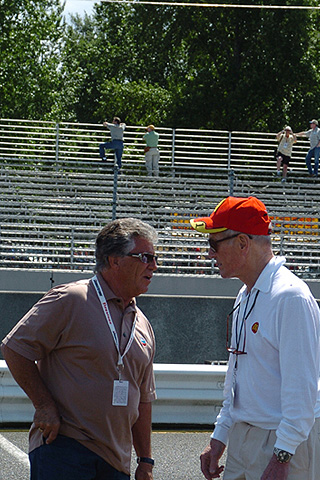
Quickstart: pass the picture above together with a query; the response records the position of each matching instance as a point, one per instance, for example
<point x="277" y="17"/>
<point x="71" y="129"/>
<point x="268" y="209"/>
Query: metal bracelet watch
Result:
<point x="145" y="460"/>
<point x="282" y="455"/>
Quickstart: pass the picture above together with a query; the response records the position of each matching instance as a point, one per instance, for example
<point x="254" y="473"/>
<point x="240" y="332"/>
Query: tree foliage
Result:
<point x="220" y="68"/>
<point x="31" y="34"/>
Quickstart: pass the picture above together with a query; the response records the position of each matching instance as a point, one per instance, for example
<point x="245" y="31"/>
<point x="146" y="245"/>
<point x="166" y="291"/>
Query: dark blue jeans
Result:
<point x="313" y="152"/>
<point x="116" y="145"/>
<point x="67" y="459"/>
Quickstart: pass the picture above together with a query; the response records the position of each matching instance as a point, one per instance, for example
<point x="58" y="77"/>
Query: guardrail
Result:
<point x="75" y="145"/>
<point x="187" y="395"/>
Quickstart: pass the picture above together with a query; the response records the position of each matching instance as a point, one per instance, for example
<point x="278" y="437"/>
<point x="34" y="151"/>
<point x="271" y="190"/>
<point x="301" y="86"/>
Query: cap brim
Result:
<point x="204" y="225"/>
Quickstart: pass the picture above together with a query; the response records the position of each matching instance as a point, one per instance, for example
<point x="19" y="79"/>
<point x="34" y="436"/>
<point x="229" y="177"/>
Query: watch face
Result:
<point x="283" y="456"/>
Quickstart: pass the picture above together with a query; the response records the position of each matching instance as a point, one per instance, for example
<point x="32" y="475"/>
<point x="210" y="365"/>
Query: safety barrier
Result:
<point x="75" y="146"/>
<point x="187" y="395"/>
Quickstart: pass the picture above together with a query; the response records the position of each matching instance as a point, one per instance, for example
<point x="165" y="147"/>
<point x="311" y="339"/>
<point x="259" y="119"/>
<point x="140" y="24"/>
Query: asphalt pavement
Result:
<point x="176" y="454"/>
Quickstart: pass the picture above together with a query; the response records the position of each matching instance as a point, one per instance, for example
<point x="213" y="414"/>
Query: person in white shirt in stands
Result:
<point x="286" y="139"/>
<point x="270" y="415"/>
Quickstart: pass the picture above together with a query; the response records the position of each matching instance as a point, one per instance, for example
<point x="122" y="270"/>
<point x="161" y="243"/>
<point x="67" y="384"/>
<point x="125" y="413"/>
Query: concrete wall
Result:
<point x="188" y="330"/>
<point x="172" y="285"/>
<point x="195" y="285"/>
<point x="188" y="314"/>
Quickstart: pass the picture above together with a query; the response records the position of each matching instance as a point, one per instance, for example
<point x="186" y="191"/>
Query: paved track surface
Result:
<point x="176" y="454"/>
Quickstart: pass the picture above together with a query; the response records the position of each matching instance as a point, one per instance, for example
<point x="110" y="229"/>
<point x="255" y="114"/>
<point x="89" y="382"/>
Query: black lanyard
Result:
<point x="242" y="327"/>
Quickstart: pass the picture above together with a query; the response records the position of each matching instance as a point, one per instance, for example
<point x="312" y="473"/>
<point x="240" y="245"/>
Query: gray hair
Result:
<point x="117" y="238"/>
<point x="263" y="239"/>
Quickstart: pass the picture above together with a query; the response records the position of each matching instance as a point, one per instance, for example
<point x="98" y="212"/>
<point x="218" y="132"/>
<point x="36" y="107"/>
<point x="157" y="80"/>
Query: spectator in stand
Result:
<point x="116" y="130"/>
<point x="271" y="413"/>
<point x="84" y="356"/>
<point x="314" y="137"/>
<point x="152" y="154"/>
<point x="286" y="139"/>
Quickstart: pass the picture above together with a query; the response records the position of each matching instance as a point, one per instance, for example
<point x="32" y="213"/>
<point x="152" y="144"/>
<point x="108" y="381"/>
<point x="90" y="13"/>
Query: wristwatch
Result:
<point x="145" y="460"/>
<point x="282" y="455"/>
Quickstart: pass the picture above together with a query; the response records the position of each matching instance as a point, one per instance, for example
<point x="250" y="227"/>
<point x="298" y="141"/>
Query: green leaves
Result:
<point x="237" y="69"/>
<point x="30" y="41"/>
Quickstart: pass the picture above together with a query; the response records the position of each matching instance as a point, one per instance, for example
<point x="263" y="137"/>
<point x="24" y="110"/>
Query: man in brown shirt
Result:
<point x="84" y="356"/>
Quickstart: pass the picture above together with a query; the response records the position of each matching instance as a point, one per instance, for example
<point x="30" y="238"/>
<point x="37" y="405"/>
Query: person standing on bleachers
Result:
<point x="152" y="154"/>
<point x="116" y="130"/>
<point x="314" y="151"/>
<point x="286" y="139"/>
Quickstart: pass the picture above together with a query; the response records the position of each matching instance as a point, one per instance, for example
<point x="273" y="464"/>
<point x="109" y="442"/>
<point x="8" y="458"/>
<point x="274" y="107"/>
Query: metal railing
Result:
<point x="36" y="246"/>
<point x="75" y="145"/>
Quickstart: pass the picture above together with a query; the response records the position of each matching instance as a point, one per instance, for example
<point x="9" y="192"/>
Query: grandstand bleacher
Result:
<point x="51" y="209"/>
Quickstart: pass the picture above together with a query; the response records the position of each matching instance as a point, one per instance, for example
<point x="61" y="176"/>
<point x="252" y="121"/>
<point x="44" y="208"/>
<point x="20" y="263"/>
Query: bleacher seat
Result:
<point x="49" y="218"/>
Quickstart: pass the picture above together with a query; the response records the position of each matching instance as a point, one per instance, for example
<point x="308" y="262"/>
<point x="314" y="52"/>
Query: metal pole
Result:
<point x="115" y="190"/>
<point x="57" y="145"/>
<point x="173" y="148"/>
<point x="231" y="181"/>
<point x="72" y="247"/>
<point x="51" y="279"/>
<point x="229" y="150"/>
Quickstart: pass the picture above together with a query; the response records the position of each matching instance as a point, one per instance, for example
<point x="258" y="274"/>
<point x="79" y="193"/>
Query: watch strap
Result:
<point x="145" y="460"/>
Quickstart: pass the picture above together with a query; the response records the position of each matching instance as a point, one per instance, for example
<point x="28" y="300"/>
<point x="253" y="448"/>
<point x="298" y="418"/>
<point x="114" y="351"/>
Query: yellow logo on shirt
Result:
<point x="255" y="327"/>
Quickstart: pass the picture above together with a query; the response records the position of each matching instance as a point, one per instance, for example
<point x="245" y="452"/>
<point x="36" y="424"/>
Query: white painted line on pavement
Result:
<point x="13" y="450"/>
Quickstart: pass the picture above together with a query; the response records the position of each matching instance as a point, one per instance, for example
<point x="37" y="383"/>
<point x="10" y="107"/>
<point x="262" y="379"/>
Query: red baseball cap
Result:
<point x="246" y="215"/>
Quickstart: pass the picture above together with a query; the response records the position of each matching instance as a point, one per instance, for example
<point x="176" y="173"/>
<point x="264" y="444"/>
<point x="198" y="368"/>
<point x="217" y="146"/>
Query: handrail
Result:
<point x="68" y="144"/>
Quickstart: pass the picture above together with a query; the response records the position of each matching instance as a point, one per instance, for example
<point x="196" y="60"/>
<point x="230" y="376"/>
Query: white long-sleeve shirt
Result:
<point x="277" y="381"/>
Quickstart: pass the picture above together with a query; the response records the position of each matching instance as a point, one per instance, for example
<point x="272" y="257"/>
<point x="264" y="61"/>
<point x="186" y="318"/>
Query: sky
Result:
<point x="79" y="6"/>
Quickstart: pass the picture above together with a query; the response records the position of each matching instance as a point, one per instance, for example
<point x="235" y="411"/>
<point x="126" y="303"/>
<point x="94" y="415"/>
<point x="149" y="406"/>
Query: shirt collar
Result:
<point x="110" y="295"/>
<point x="265" y="278"/>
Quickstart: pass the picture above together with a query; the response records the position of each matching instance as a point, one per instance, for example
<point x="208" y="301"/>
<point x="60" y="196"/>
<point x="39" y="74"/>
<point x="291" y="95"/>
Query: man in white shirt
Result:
<point x="314" y="137"/>
<point x="270" y="415"/>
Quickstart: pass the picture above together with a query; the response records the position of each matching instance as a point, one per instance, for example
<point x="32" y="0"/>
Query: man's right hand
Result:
<point x="26" y="374"/>
<point x="210" y="459"/>
<point x="47" y="420"/>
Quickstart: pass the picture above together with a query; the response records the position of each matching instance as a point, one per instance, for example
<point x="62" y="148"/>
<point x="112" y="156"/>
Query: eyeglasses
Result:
<point x="144" y="257"/>
<point x="237" y="350"/>
<point x="214" y="243"/>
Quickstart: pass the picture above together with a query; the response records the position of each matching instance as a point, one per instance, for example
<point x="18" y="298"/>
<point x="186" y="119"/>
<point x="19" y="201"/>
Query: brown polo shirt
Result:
<point x="67" y="334"/>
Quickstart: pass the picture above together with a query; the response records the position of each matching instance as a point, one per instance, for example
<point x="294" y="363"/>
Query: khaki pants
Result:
<point x="250" y="449"/>
<point x="152" y="158"/>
